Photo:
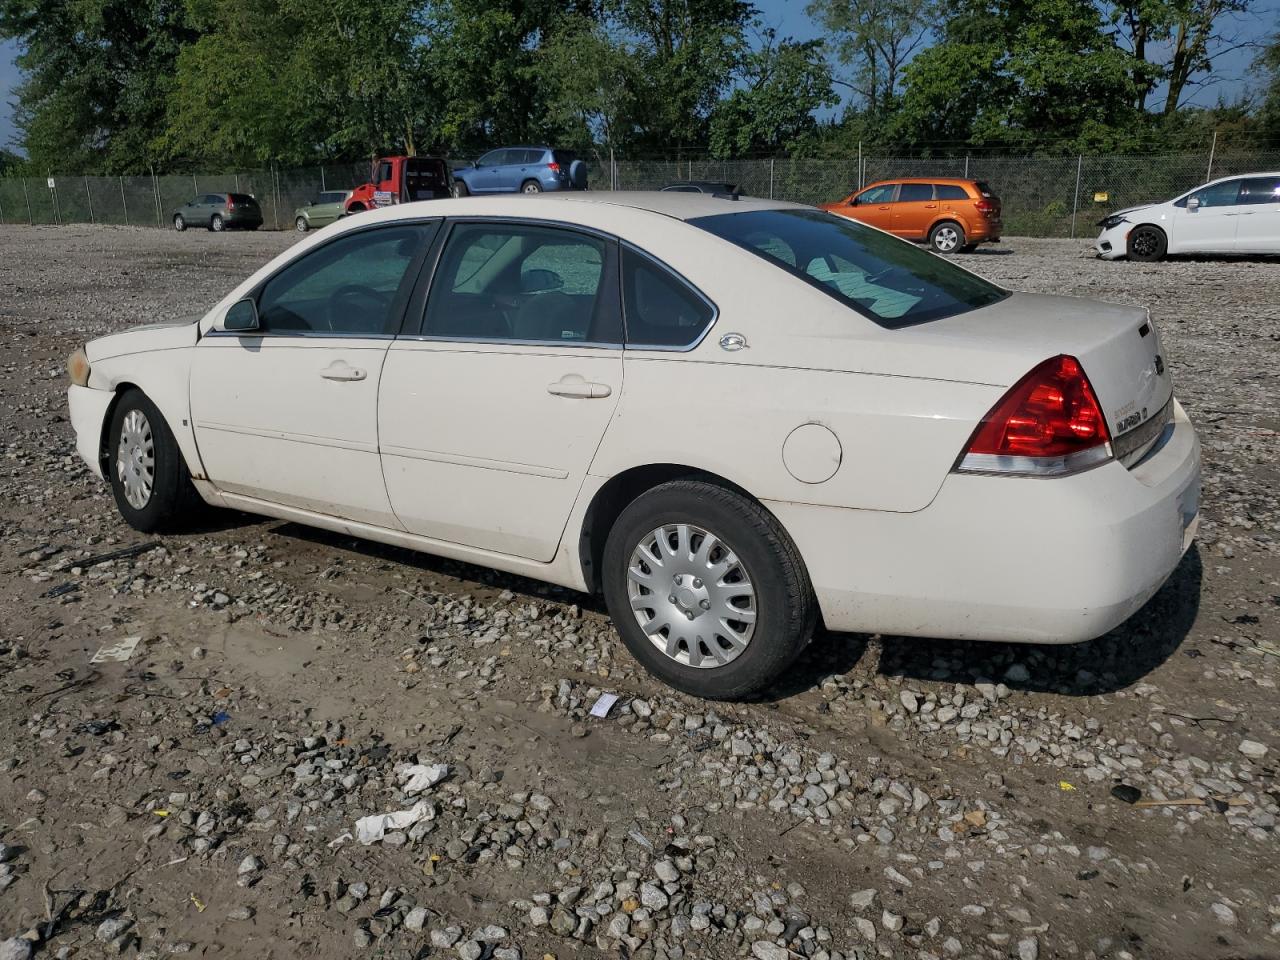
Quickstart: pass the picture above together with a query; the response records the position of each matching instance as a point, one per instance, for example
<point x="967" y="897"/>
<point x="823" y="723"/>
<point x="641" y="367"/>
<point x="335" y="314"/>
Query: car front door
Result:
<point x="1209" y="224"/>
<point x="488" y="175"/>
<point x="491" y="412"/>
<point x="874" y="206"/>
<point x="914" y="210"/>
<point x="1258" y="225"/>
<point x="288" y="413"/>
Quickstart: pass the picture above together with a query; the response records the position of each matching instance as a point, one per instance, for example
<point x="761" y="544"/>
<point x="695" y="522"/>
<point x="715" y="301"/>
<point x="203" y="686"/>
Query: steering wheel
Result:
<point x="355" y="298"/>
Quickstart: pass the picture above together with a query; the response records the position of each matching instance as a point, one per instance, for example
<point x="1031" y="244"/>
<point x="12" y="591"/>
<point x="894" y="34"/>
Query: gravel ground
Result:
<point x="893" y="798"/>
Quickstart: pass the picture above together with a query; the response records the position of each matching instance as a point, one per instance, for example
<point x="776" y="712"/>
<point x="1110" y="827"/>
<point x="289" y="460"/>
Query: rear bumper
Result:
<point x="88" y="413"/>
<point x="246" y="219"/>
<point x="1010" y="559"/>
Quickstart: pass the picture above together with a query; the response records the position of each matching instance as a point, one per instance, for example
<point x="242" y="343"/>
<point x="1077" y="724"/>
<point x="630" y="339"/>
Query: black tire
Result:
<point x="785" y="607"/>
<point x="531" y="186"/>
<point x="179" y="222"/>
<point x="217" y="224"/>
<point x="1147" y="244"/>
<point x="460" y="189"/>
<point x="301" y="225"/>
<point x="172" y="499"/>
<point x="946" y="237"/>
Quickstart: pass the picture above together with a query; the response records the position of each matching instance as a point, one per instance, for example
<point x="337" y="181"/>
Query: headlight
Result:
<point x="78" y="367"/>
<point x="1106" y="223"/>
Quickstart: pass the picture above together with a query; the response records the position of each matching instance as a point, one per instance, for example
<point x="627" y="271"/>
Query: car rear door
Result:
<point x="1258" y="223"/>
<point x="288" y="413"/>
<point x="492" y="408"/>
<point x="1210" y="224"/>
<point x="914" y="210"/>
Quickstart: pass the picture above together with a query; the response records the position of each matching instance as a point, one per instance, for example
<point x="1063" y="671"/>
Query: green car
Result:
<point x="327" y="207"/>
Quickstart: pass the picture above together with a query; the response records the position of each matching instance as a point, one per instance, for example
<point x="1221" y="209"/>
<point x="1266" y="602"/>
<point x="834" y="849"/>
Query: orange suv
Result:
<point x="949" y="215"/>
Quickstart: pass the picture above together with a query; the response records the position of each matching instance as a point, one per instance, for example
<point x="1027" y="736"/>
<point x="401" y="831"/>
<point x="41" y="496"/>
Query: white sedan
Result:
<point x="730" y="416"/>
<point x="1238" y="215"/>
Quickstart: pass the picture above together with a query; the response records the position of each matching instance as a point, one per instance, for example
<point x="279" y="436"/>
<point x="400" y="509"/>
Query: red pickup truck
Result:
<point x="401" y="180"/>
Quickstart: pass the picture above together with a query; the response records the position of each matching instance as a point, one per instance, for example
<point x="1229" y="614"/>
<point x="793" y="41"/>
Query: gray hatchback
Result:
<point x="218" y="212"/>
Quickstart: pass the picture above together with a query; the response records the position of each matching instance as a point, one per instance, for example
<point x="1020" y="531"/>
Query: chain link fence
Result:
<point x="1041" y="196"/>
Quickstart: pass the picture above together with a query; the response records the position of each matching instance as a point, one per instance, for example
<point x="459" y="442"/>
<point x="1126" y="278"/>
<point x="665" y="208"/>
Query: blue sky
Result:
<point x="789" y="18"/>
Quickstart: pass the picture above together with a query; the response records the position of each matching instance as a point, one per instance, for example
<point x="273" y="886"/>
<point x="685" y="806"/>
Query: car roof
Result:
<point x="580" y="205"/>
<point x="958" y="181"/>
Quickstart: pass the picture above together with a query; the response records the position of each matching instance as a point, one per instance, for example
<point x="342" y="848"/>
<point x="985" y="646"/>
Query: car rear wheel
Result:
<point x="946" y="237"/>
<point x="531" y="186"/>
<point x="217" y="224"/>
<point x="460" y="189"/>
<point x="1147" y="244"/>
<point x="179" y="223"/>
<point x="148" y="476"/>
<point x="706" y="589"/>
<point x="301" y="225"/>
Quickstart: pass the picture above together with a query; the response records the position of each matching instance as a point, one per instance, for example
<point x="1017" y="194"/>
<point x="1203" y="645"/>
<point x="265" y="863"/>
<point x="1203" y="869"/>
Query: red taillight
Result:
<point x="553" y="167"/>
<point x="231" y="203"/>
<point x="986" y="206"/>
<point x="1048" y="423"/>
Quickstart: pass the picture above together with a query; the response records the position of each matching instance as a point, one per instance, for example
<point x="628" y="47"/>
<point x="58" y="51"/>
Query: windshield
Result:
<point x="889" y="281"/>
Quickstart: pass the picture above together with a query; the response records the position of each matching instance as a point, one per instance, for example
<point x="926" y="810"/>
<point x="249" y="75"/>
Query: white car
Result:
<point x="1232" y="215"/>
<point x="730" y="416"/>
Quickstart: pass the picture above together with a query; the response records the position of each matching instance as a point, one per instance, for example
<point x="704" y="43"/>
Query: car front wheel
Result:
<point x="148" y="476"/>
<point x="1147" y="244"/>
<point x="706" y="589"/>
<point x="300" y="224"/>
<point x="946" y="237"/>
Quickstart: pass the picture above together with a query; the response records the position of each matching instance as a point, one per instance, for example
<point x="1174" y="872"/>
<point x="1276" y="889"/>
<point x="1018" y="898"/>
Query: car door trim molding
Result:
<point x="504" y="466"/>
<point x="312" y="439"/>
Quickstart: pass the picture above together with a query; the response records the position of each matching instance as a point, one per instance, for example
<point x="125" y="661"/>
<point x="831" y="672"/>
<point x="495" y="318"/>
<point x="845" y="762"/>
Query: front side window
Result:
<point x="348" y="286"/>
<point x="1217" y="194"/>
<point x="915" y="192"/>
<point x="501" y="281"/>
<point x="880" y="194"/>
<point x="384" y="173"/>
<point x="661" y="310"/>
<point x="889" y="281"/>
<point x="1260" y="190"/>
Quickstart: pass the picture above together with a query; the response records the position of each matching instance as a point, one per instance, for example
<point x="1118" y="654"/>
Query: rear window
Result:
<point x="883" y="278"/>
<point x="241" y="198"/>
<point x="563" y="157"/>
<point x="984" y="189"/>
<point x="951" y="191"/>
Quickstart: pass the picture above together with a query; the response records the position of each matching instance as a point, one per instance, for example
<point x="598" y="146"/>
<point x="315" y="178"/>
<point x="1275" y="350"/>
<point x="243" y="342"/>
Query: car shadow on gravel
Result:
<point x="1111" y="662"/>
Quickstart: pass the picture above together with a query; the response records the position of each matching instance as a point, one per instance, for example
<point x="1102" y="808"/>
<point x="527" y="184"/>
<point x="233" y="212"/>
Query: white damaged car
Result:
<point x="732" y="417"/>
<point x="1233" y="215"/>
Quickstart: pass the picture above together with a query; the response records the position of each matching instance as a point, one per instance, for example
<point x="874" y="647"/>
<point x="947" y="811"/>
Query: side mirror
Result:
<point x="242" y="316"/>
<point x="1192" y="205"/>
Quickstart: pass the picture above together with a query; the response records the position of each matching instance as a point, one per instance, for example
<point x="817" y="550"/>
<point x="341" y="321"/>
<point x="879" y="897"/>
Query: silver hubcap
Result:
<point x="691" y="595"/>
<point x="136" y="459"/>
<point x="946" y="239"/>
<point x="217" y="223"/>
<point x="530" y="188"/>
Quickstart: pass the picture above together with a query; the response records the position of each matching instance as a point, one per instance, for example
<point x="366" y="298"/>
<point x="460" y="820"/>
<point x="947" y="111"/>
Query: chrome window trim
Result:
<point x="663" y="265"/>
<point x="573" y="344"/>
<point x="300" y="335"/>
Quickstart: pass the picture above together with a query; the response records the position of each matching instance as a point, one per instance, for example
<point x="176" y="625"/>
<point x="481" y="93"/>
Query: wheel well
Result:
<point x="528" y="180"/>
<point x="945" y="220"/>
<point x="619" y="491"/>
<point x="104" y="441"/>
<point x="355" y="207"/>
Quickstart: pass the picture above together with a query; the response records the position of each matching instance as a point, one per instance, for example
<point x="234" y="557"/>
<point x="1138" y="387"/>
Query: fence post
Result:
<point x="31" y="221"/>
<point x="322" y="178"/>
<point x="124" y="203"/>
<point x="966" y="166"/>
<point x="859" y="164"/>
<point x="155" y="193"/>
<point x="1208" y="175"/>
<point x="275" y="196"/>
<point x="1075" y="204"/>
<point x="771" y="178"/>
<point x="237" y="183"/>
<point x="195" y="187"/>
<point x="57" y="209"/>
<point x="89" y="197"/>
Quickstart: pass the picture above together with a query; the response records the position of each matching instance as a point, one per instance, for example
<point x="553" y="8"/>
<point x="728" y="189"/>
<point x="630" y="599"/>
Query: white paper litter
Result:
<point x="604" y="704"/>
<point x="116" y="652"/>
<point x="372" y="829"/>
<point x="417" y="777"/>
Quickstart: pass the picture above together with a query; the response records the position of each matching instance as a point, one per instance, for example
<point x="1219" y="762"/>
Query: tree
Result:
<point x="1268" y="66"/>
<point x="779" y="85"/>
<point x="592" y="79"/>
<point x="875" y="39"/>
<point x="98" y="74"/>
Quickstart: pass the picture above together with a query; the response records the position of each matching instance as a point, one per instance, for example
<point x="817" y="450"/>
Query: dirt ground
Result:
<point x="891" y="798"/>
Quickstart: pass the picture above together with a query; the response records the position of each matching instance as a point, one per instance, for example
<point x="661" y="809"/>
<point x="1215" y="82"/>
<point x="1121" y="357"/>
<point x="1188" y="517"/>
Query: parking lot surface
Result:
<point x="894" y="797"/>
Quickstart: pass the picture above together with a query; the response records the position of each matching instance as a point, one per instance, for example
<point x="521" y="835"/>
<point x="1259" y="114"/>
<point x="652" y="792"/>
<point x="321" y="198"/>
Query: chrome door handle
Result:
<point x="572" y="385"/>
<point x="342" y="371"/>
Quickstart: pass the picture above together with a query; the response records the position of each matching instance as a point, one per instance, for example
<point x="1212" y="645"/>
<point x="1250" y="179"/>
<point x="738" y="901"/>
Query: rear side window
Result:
<point x="891" y="282"/>
<point x="1260" y="190"/>
<point x="915" y="192"/>
<point x="660" y="308"/>
<point x="951" y="191"/>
